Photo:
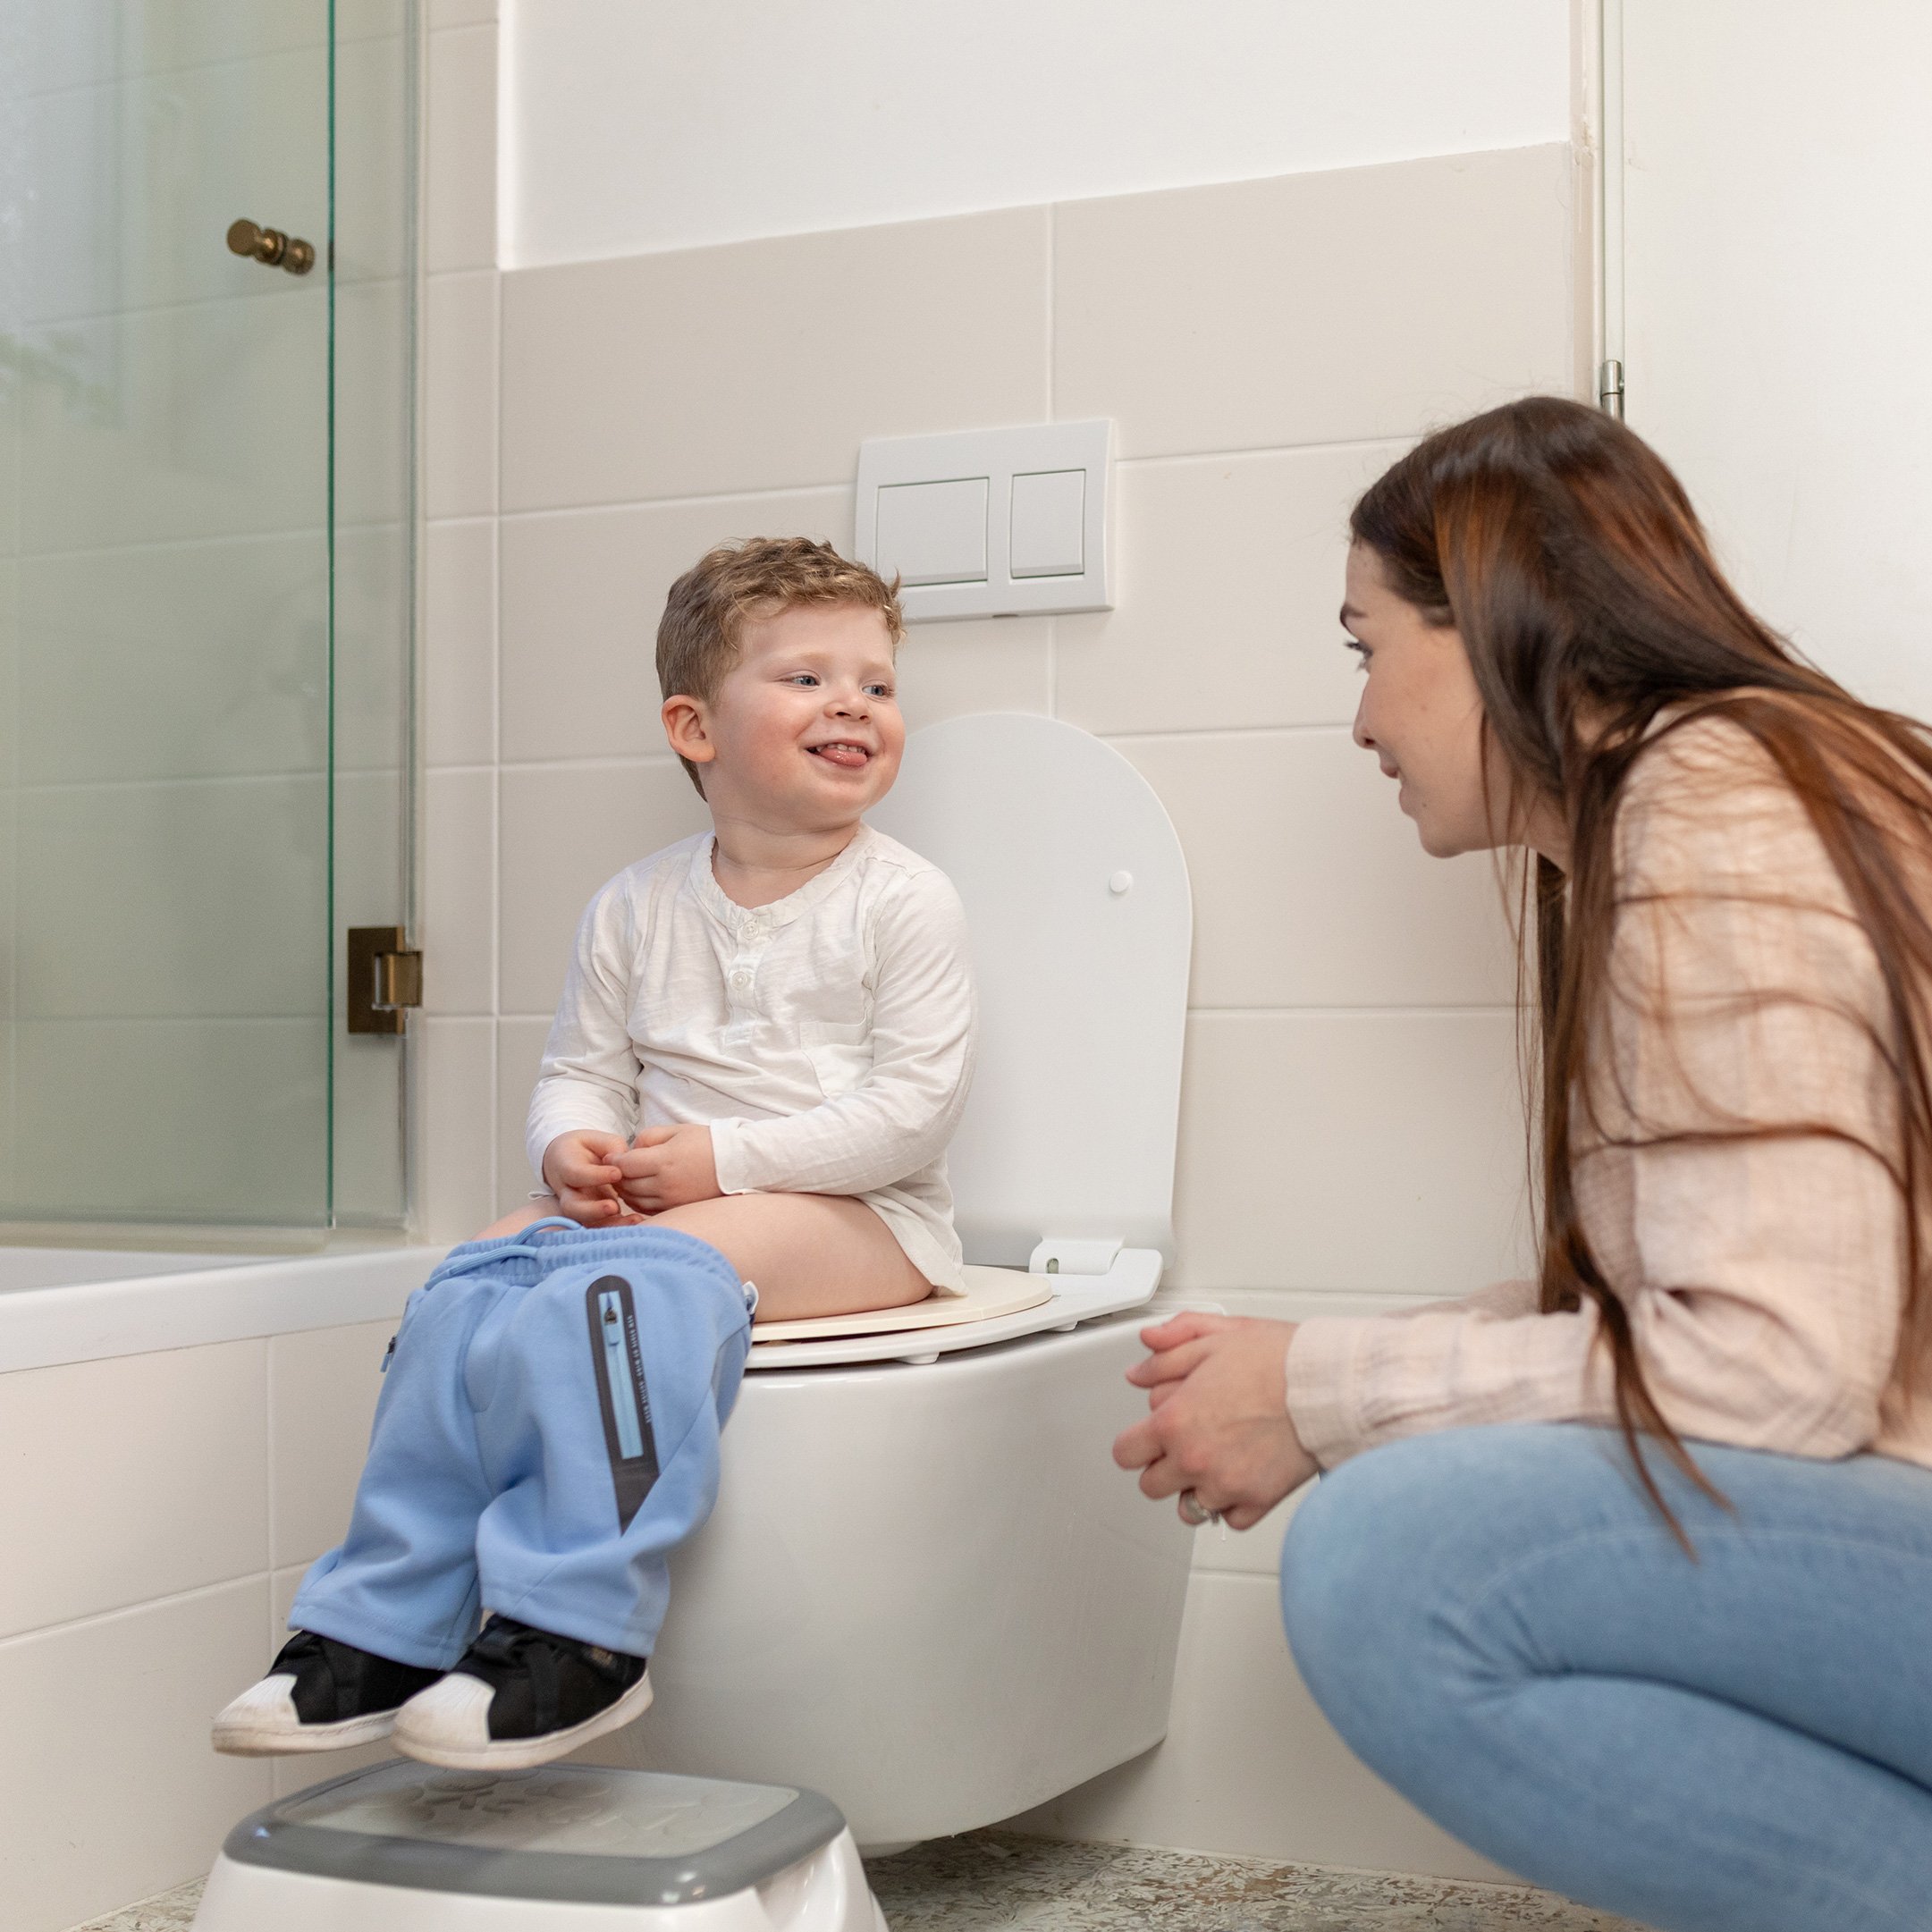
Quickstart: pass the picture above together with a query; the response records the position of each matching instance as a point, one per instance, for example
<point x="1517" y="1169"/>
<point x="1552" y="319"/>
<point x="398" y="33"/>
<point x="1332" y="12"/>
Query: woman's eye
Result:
<point x="1360" y="649"/>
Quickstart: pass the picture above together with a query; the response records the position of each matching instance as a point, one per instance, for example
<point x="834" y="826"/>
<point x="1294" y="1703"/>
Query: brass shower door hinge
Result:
<point x="385" y="979"/>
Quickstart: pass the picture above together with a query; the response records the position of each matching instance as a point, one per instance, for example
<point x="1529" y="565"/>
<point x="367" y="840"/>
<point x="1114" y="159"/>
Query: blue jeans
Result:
<point x="1499" y="1623"/>
<point x="547" y="1433"/>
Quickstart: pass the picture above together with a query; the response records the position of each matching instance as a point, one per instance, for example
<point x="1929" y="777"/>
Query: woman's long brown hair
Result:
<point x="1568" y="557"/>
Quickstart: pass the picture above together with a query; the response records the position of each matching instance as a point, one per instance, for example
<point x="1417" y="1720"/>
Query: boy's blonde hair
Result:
<point x="703" y="620"/>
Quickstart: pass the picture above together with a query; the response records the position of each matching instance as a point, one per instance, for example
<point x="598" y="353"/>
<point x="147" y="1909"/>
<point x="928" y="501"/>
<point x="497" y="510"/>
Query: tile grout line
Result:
<point x="695" y="499"/>
<point x="95" y="1617"/>
<point x="1052" y="344"/>
<point x="271" y="1435"/>
<point x="496" y="1180"/>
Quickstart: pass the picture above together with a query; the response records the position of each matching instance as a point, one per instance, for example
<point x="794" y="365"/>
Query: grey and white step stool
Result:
<point x="568" y="1848"/>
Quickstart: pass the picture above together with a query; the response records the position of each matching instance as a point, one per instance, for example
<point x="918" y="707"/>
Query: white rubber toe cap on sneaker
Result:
<point x="260" y="1721"/>
<point x="450" y="1719"/>
<point x="263" y="1723"/>
<point x="449" y="1725"/>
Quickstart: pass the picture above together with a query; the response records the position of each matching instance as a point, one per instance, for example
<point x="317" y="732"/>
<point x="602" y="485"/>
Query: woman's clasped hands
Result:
<point x="1218" y="1431"/>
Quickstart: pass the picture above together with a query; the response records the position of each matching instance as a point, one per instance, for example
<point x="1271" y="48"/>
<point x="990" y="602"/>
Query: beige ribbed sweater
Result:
<point x="1762" y="1278"/>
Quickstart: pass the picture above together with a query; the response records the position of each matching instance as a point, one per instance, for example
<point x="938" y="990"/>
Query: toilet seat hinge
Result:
<point x="1073" y="1255"/>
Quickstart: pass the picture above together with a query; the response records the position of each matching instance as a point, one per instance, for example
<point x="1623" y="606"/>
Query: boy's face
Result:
<point x="805" y="731"/>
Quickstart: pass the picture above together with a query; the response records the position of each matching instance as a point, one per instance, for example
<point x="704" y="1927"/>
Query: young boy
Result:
<point x="763" y="1047"/>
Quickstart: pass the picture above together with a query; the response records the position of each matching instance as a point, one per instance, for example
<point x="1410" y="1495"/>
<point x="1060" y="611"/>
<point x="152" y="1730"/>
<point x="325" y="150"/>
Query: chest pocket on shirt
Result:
<point x="841" y="1055"/>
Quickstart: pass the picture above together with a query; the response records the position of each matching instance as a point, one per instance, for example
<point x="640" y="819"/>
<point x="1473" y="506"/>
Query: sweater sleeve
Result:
<point x="588" y="1078"/>
<point x="901" y="1114"/>
<point x="1760" y="1274"/>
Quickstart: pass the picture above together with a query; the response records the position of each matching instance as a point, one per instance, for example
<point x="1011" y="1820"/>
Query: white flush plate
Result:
<point x="989" y="522"/>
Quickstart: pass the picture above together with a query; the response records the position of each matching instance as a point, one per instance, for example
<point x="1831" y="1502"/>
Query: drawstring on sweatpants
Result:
<point x="482" y="1255"/>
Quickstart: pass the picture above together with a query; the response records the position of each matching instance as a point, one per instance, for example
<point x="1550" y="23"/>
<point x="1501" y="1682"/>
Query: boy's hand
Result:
<point x="580" y="1168"/>
<point x="668" y="1167"/>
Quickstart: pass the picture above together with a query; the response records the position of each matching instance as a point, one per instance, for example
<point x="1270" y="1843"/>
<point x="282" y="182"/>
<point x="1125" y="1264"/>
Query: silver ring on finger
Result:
<point x="1191" y="1511"/>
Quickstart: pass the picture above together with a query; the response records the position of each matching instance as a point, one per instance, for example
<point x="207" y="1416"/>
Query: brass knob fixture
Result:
<point x="271" y="247"/>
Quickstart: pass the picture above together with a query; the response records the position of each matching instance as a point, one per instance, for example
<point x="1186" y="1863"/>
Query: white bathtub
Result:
<point x="86" y="1304"/>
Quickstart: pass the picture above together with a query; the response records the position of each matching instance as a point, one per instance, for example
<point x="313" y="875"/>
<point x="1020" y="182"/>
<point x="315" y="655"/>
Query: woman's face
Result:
<point x="1420" y="714"/>
<point x="1422" y="717"/>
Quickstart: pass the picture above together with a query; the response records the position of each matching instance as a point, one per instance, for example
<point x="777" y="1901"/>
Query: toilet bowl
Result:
<point x="926" y="1590"/>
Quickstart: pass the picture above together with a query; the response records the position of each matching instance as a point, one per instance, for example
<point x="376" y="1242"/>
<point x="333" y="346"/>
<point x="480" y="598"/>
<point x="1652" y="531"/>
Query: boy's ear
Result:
<point x="685" y="729"/>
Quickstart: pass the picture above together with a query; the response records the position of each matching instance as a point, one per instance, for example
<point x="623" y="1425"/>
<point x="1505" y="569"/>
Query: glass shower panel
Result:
<point x="167" y="640"/>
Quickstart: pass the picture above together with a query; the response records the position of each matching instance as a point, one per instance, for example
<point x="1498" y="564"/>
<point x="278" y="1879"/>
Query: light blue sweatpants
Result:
<point x="547" y="1433"/>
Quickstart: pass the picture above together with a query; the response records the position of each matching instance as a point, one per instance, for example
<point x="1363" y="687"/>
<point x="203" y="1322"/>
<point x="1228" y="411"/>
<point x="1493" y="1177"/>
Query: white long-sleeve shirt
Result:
<point x="826" y="1040"/>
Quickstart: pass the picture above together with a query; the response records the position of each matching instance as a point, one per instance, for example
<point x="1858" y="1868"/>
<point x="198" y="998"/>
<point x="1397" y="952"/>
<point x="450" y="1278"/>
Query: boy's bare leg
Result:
<point x="809" y="1254"/>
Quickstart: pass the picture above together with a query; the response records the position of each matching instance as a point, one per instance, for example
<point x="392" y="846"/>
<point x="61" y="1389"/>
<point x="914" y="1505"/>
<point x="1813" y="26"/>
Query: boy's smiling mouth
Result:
<point x="844" y="752"/>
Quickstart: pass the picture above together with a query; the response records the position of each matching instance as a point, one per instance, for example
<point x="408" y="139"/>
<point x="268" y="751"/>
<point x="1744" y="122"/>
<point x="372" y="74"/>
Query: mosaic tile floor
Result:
<point x="987" y="1880"/>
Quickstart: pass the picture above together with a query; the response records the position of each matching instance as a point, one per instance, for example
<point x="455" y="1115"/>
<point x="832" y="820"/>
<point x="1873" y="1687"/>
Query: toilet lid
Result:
<point x="1077" y="901"/>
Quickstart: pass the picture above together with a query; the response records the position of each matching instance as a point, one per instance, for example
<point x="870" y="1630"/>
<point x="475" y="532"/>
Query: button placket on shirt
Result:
<point x="753" y="935"/>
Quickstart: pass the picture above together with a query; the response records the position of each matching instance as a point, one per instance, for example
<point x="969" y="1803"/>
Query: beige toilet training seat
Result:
<point x="989" y="1292"/>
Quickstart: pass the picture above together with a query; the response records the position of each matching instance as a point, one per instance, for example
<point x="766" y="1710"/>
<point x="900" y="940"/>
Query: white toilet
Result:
<point x="926" y="1590"/>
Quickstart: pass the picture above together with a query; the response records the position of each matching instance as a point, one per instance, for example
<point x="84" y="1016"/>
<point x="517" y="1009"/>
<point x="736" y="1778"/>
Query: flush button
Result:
<point x="1049" y="514"/>
<point x="933" y="533"/>
<point x="1121" y="882"/>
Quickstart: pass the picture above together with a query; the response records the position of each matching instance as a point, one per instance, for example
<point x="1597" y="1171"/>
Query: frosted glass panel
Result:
<point x="173" y="669"/>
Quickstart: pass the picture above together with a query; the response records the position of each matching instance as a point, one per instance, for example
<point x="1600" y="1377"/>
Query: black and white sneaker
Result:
<point x="519" y="1697"/>
<point x="318" y="1695"/>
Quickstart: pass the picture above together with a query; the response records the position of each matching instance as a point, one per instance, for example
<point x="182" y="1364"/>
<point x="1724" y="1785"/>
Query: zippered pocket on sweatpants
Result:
<point x="621" y="1393"/>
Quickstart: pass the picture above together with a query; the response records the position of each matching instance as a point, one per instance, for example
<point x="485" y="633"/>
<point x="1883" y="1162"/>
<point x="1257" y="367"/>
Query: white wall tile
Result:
<point x="371" y="1187"/>
<point x="455" y="1133"/>
<point x="173" y="661"/>
<point x="143" y="1476"/>
<point x="995" y="663"/>
<point x="520" y="1050"/>
<point x="114" y="925"/>
<point x="1249" y="1764"/>
<point x="373" y="611"/>
<point x="460" y="643"/>
<point x="764" y="365"/>
<point x="9" y="640"/>
<point x="566" y="828"/>
<point x="583" y="591"/>
<point x="147" y="427"/>
<point x="459" y="891"/>
<point x="1228" y="580"/>
<point x="12" y="435"/>
<point x="1310" y="887"/>
<point x="12" y="431"/>
<point x="321" y="1389"/>
<point x="108" y="1786"/>
<point x="460" y="13"/>
<point x="369" y="835"/>
<point x="232" y="1115"/>
<point x="374" y="351"/>
<point x="459" y="394"/>
<point x="132" y="180"/>
<point x="1324" y="308"/>
<point x="460" y="231"/>
<point x="374" y="103"/>
<point x="1379" y="1152"/>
